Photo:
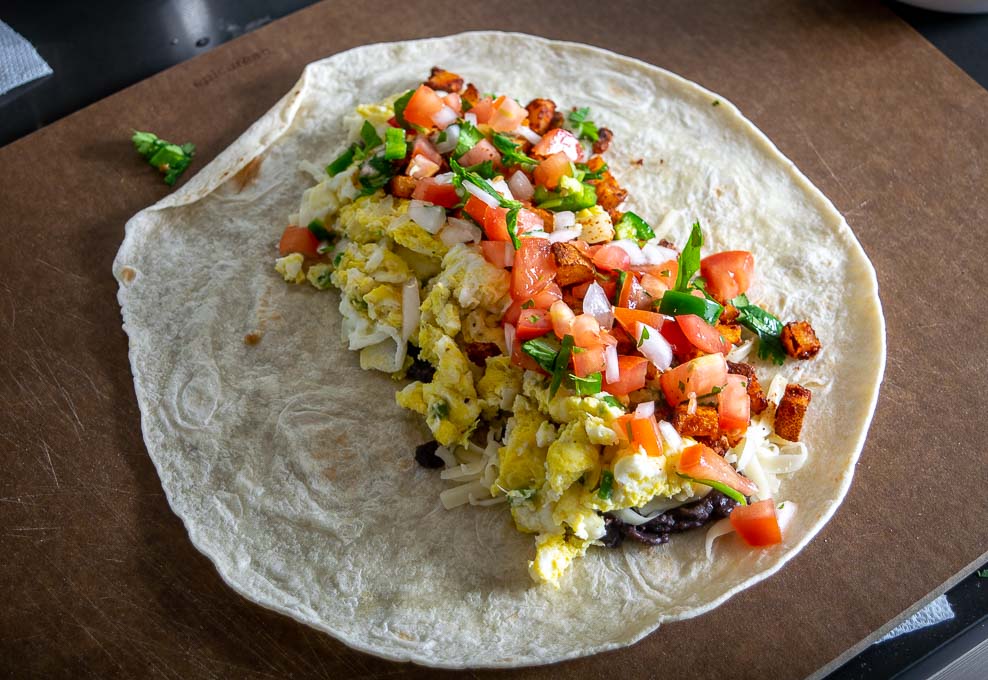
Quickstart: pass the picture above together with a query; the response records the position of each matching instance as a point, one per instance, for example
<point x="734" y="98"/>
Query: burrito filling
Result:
<point x="571" y="364"/>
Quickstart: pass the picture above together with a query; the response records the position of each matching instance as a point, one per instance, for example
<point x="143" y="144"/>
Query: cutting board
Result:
<point x="98" y="576"/>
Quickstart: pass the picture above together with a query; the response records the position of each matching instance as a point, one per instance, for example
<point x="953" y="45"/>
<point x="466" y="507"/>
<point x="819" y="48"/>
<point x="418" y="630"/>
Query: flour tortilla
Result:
<point x="293" y="469"/>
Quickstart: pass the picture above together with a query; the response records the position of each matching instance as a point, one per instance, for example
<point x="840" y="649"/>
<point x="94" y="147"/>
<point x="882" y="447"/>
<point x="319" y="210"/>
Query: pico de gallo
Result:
<point x="568" y="361"/>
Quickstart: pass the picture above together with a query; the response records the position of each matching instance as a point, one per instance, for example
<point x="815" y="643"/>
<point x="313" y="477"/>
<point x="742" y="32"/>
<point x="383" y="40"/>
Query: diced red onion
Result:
<point x="612" y="373"/>
<point x="785" y="514"/>
<point x="630" y="247"/>
<point x="471" y="118"/>
<point x="656" y="254"/>
<point x="629" y="516"/>
<point x="452" y="137"/>
<point x="444" y="116"/>
<point x="445" y="178"/>
<point x="509" y="337"/>
<point x="645" y="409"/>
<point x="655" y="347"/>
<point x="442" y="94"/>
<point x="596" y="304"/>
<point x="561" y="235"/>
<point x="716" y="530"/>
<point x="501" y="187"/>
<point x="429" y="217"/>
<point x="563" y="219"/>
<point x="409" y="308"/>
<point x="521" y="187"/>
<point x="528" y="133"/>
<point x="670" y="434"/>
<point x="421" y="167"/>
<point x="459" y="231"/>
<point x="474" y="190"/>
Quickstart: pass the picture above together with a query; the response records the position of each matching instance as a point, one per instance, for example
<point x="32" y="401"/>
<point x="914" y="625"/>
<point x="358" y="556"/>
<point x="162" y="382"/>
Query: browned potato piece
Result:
<point x="703" y="423"/>
<point x="755" y="392"/>
<point x="470" y="95"/>
<point x="572" y="266"/>
<point x="402" y="186"/>
<point x="730" y="332"/>
<point x="540" y="113"/>
<point x="730" y="314"/>
<point x="478" y="352"/>
<point x="799" y="340"/>
<point x="604" y="137"/>
<point x="792" y="409"/>
<point x="441" y="79"/>
<point x="610" y="194"/>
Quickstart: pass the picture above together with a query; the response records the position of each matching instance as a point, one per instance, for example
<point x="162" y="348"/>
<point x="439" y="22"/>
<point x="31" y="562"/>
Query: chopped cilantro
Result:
<point x="370" y="137"/>
<point x="588" y="386"/>
<point x="401" y="103"/>
<point x="644" y="337"/>
<point x="510" y="153"/>
<point x="440" y="409"/>
<point x="561" y="364"/>
<point x="606" y="484"/>
<point x="580" y="126"/>
<point x="765" y="325"/>
<point x="342" y="161"/>
<point x="612" y="401"/>
<point x="169" y="159"/>
<point x="485" y="169"/>
<point x="689" y="259"/>
<point x="528" y="304"/>
<point x="319" y="231"/>
<point x="469" y="137"/>
<point x="542" y="351"/>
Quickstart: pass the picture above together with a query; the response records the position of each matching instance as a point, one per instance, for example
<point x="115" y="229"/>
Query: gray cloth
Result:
<point x="19" y="62"/>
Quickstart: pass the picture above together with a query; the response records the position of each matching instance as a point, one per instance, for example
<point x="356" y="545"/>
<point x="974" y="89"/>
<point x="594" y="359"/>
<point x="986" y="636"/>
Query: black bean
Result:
<point x="656" y="531"/>
<point x="425" y="455"/>
<point x="421" y="371"/>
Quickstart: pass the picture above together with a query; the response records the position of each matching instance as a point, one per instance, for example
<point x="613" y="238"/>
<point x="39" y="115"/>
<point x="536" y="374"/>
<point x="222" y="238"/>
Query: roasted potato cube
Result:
<point x="478" y="352"/>
<point x="799" y="340"/>
<point x="730" y="314"/>
<point x="540" y="113"/>
<point x="557" y="121"/>
<point x="610" y="194"/>
<point x="758" y="401"/>
<point x="604" y="137"/>
<point x="730" y="332"/>
<point x="702" y="423"/>
<point x="402" y="186"/>
<point x="441" y="79"/>
<point x="572" y="266"/>
<point x="792" y="409"/>
<point x="470" y="95"/>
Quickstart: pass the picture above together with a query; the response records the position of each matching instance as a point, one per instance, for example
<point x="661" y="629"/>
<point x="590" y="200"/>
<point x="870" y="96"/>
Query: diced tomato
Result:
<point x="476" y="209"/>
<point x="757" y="524"/>
<point x="551" y="169"/>
<point x="393" y="122"/>
<point x="586" y="331"/>
<point x="632" y="294"/>
<point x="626" y="343"/>
<point x="548" y="295"/>
<point x="702" y="335"/>
<point x="611" y="258"/>
<point x="483" y="110"/>
<point x="519" y="358"/>
<point x="702" y="463"/>
<point x="482" y="151"/>
<point x="653" y="286"/>
<point x="528" y="221"/>
<point x="423" y="147"/>
<point x="496" y="225"/>
<point x="534" y="268"/>
<point x="622" y="426"/>
<point x="629" y="317"/>
<point x="734" y="405"/>
<point x="562" y="319"/>
<point x="452" y="100"/>
<point x="700" y="376"/>
<point x="588" y="360"/>
<point x="431" y="191"/>
<point x="681" y="347"/>
<point x="507" y="114"/>
<point x="421" y="167"/>
<point x="728" y="274"/>
<point x="500" y="254"/>
<point x="298" y="240"/>
<point x="645" y="431"/>
<point x="532" y="323"/>
<point x="558" y="140"/>
<point x="422" y="106"/>
<point x="632" y="378"/>
<point x="665" y="272"/>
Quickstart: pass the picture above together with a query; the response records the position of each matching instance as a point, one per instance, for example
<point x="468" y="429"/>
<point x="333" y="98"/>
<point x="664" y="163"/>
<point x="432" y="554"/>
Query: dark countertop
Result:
<point x="136" y="40"/>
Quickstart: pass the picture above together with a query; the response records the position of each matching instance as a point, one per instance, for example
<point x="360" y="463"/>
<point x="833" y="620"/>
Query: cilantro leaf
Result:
<point x="469" y="137"/>
<point x="689" y="259"/>
<point x="587" y="386"/>
<point x="606" y="484"/>
<point x="561" y="364"/>
<point x="580" y="126"/>
<point x="511" y="222"/>
<point x="370" y="137"/>
<point x="401" y="103"/>
<point x="542" y="351"/>
<point x="485" y="169"/>
<point x="765" y="325"/>
<point x="510" y="153"/>
<point x="461" y="174"/>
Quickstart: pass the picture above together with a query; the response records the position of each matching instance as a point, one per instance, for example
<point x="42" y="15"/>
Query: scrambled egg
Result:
<point x="553" y="556"/>
<point x="290" y="267"/>
<point x="499" y="386"/>
<point x="449" y="403"/>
